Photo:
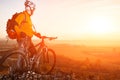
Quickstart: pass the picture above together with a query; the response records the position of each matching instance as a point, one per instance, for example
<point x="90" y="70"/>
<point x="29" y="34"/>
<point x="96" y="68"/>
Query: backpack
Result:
<point x="10" y="26"/>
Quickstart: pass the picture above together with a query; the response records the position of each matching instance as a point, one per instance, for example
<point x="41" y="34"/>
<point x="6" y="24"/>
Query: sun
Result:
<point x="100" y="26"/>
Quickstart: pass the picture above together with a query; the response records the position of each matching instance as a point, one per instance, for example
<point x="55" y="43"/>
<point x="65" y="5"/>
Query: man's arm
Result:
<point x="37" y="34"/>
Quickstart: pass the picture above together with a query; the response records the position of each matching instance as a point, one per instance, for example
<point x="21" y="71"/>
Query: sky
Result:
<point x="69" y="19"/>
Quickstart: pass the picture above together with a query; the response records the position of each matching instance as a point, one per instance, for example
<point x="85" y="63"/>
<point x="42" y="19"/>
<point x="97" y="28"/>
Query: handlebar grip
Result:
<point x="51" y="38"/>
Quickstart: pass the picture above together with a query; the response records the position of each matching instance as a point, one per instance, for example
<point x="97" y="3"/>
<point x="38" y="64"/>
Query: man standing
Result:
<point x="24" y="31"/>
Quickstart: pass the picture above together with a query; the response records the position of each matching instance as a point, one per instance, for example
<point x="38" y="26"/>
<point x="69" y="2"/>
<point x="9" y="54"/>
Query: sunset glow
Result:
<point x="100" y="26"/>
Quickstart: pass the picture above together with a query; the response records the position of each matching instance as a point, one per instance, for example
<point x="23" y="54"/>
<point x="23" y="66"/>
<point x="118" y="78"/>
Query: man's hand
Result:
<point x="38" y="35"/>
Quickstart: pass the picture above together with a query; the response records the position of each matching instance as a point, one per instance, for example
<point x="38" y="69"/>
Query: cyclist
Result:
<point x="24" y="30"/>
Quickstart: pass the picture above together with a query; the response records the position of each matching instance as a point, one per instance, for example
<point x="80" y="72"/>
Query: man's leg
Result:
<point x="20" y="62"/>
<point x="33" y="53"/>
<point x="32" y="49"/>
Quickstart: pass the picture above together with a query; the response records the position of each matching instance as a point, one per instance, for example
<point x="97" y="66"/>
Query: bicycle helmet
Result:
<point x="30" y="5"/>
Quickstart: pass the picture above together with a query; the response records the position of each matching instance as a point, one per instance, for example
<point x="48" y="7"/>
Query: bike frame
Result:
<point x="41" y="51"/>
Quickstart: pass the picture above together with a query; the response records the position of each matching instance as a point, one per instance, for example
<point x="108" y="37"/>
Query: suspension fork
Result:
<point x="43" y="52"/>
<point x="46" y="55"/>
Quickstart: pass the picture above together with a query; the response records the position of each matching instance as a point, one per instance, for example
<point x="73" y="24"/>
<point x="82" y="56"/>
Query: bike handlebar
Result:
<point x="45" y="37"/>
<point x="50" y="38"/>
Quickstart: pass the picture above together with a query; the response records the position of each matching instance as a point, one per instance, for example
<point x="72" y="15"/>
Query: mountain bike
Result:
<point x="43" y="62"/>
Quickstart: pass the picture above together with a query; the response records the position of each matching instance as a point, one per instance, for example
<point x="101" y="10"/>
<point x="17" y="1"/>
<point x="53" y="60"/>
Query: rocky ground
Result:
<point x="34" y="76"/>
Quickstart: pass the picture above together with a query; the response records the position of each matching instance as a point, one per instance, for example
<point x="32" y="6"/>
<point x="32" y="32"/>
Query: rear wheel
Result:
<point x="46" y="61"/>
<point x="9" y="62"/>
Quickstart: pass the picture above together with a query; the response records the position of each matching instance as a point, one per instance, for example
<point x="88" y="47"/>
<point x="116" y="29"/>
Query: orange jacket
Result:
<point x="25" y="26"/>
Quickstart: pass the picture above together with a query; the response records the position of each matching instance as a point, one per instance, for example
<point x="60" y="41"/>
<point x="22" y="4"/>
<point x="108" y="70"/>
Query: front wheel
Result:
<point x="46" y="61"/>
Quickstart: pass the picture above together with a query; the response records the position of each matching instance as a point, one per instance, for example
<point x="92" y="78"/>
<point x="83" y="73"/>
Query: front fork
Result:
<point x="45" y="55"/>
